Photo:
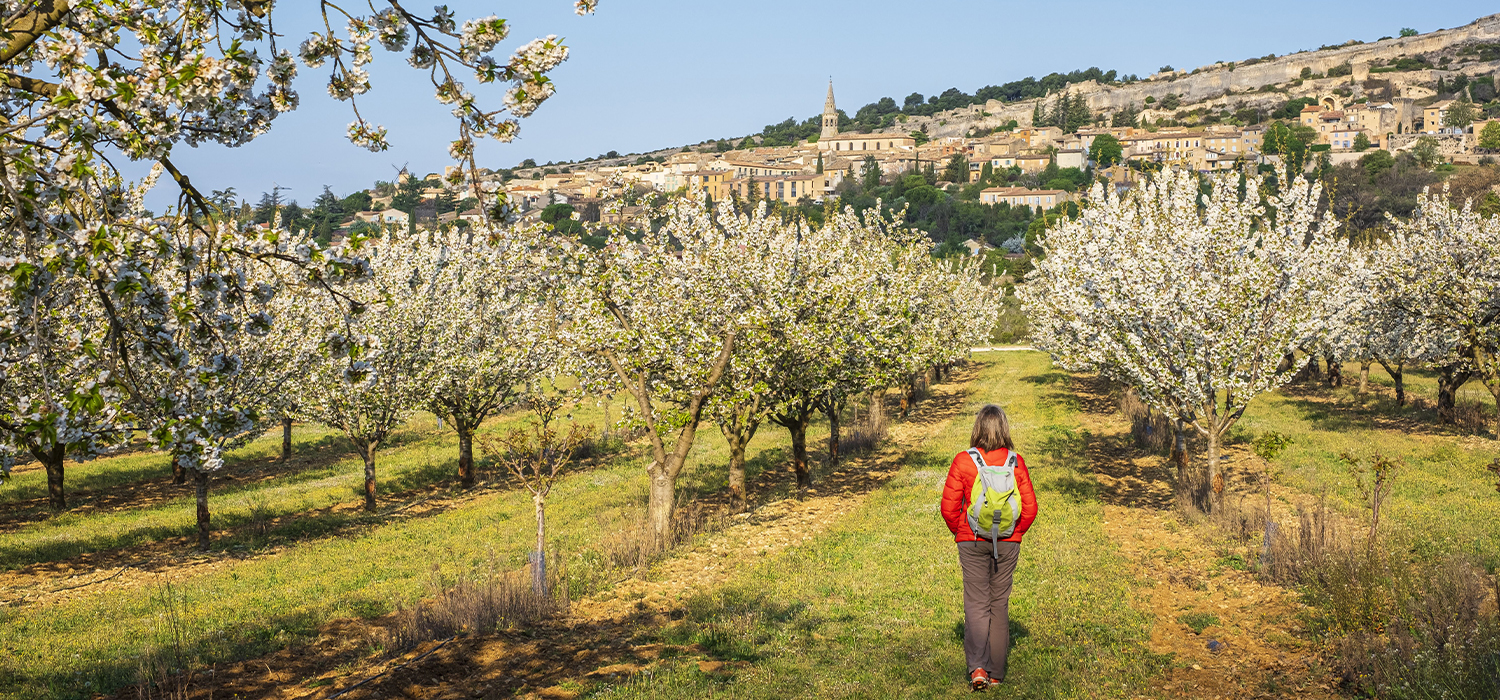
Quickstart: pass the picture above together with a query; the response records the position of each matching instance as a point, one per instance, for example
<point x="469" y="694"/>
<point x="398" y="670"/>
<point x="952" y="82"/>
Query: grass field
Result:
<point x="1444" y="500"/>
<point x="870" y="608"/>
<point x="336" y="565"/>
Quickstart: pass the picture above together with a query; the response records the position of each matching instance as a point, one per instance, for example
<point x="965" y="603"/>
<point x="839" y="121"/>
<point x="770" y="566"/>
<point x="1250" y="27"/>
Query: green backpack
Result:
<point x="995" y="503"/>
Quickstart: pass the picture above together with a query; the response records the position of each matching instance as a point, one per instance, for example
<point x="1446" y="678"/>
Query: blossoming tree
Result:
<point x="659" y="319"/>
<point x="408" y="289"/>
<point x="1192" y="299"/>
<point x="492" y="336"/>
<point x="1443" y="267"/>
<point x="98" y="289"/>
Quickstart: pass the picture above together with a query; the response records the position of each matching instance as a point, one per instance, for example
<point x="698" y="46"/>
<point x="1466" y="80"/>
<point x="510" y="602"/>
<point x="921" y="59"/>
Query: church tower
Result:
<point x="830" y="115"/>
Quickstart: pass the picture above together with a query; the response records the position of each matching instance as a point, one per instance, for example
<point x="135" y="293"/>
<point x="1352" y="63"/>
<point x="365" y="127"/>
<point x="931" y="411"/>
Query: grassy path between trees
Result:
<point x="873" y="608"/>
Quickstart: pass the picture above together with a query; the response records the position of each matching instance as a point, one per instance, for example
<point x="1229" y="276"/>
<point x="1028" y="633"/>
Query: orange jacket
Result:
<point x="960" y="484"/>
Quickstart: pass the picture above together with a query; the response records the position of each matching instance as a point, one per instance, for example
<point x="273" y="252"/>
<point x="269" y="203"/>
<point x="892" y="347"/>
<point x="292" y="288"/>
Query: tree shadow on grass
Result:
<point x="1340" y="410"/>
<point x="148" y="483"/>
<point x="1125" y="474"/>
<point x="159" y="547"/>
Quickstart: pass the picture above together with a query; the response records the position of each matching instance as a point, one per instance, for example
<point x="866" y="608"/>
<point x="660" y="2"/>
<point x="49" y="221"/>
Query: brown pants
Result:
<point x="987" y="604"/>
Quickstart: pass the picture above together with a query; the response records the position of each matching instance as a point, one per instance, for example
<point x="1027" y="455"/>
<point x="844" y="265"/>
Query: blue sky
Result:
<point x="646" y="74"/>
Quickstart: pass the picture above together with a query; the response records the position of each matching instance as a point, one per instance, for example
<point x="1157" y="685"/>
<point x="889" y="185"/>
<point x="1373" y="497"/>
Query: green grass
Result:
<point x="873" y="608"/>
<point x="373" y="564"/>
<point x="1198" y="621"/>
<point x="1444" y="500"/>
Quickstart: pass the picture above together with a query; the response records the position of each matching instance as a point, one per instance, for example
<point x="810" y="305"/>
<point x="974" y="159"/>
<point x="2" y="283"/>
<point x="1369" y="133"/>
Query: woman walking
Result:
<point x="989" y="504"/>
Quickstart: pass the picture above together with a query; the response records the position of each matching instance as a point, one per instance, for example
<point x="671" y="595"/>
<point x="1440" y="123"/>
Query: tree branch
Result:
<point x="26" y="29"/>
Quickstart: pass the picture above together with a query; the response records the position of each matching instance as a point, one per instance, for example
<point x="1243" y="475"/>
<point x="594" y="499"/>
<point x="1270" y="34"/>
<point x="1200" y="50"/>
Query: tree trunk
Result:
<point x="179" y="474"/>
<point x="367" y="451"/>
<point x="286" y="438"/>
<point x="1215" y="478"/>
<point x="53" y="461"/>
<point x="798" y="429"/>
<point x="1335" y="371"/>
<point x="1493" y="384"/>
<point x="1364" y="376"/>
<point x="738" y="435"/>
<point x="1450" y="380"/>
<point x="539" y="560"/>
<point x="659" y="503"/>
<point x="833" y="434"/>
<point x="1397" y="380"/>
<point x="1179" y="453"/>
<point x="200" y="487"/>
<point x="465" y="453"/>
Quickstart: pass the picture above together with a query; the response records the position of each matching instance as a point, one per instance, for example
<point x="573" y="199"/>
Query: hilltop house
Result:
<point x="1021" y="196"/>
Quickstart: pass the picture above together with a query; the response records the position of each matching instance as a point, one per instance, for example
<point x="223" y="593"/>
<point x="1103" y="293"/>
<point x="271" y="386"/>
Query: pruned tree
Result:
<point x="536" y="457"/>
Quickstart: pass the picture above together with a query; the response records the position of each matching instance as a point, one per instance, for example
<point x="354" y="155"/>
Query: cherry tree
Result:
<point x="252" y="366"/>
<point x="98" y="288"/>
<point x="1442" y="267"/>
<point x="493" y="336"/>
<point x="1192" y="299"/>
<point x="659" y="318"/>
<point x="393" y="371"/>
<point x="1370" y="324"/>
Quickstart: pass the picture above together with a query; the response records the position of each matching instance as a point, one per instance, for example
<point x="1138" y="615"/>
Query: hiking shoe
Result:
<point x="979" y="680"/>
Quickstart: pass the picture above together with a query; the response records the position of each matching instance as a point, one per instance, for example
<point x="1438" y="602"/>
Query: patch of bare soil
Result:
<point x="602" y="638"/>
<point x="1249" y="642"/>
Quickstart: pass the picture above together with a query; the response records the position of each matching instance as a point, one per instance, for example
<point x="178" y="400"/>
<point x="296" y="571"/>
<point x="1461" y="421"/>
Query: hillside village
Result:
<point x="1429" y="95"/>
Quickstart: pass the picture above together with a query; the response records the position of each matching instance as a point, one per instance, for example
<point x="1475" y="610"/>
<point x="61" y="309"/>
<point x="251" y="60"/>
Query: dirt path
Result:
<point x="1252" y="645"/>
<point x="604" y="637"/>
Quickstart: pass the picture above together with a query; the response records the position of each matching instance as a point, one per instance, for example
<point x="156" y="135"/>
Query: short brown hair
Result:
<point x="991" y="430"/>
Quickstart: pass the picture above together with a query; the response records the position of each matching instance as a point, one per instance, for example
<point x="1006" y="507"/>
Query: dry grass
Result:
<point x="1151" y="429"/>
<point x="865" y="434"/>
<point x="1392" y="625"/>
<point x="492" y="601"/>
<point x="633" y="546"/>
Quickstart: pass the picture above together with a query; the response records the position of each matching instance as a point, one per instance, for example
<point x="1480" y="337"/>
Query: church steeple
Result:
<point x="830" y="115"/>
